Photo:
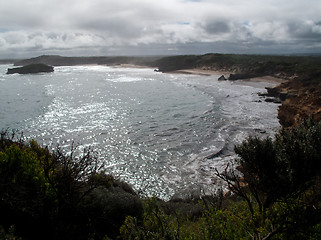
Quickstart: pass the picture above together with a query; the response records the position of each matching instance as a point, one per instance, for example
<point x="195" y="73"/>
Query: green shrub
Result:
<point x="276" y="186"/>
<point x="66" y="195"/>
<point x="281" y="176"/>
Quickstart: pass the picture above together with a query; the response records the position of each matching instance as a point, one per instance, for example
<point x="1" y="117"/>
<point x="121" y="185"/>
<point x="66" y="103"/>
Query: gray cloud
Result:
<point x="308" y="30"/>
<point x="123" y="26"/>
<point x="217" y="27"/>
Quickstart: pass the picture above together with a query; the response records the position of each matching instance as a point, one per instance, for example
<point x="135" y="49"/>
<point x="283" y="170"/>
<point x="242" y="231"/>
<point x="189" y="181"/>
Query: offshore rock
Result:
<point x="222" y="78"/>
<point x="31" y="68"/>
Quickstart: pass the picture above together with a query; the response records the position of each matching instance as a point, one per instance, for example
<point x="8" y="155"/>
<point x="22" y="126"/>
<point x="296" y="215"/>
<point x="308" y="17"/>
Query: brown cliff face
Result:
<point x="301" y="101"/>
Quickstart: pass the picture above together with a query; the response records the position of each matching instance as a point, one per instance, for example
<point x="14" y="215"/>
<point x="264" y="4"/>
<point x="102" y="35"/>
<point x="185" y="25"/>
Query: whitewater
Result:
<point x="165" y="134"/>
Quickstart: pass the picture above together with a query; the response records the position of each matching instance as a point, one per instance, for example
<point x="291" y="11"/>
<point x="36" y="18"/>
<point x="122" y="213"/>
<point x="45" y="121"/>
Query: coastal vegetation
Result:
<point x="274" y="192"/>
<point x="57" y="195"/>
<point x="251" y="65"/>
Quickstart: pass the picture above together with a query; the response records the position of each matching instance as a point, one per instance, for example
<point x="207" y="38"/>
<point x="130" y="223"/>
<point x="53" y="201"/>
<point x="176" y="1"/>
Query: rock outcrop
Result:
<point x="299" y="101"/>
<point x="31" y="68"/>
<point x="222" y="78"/>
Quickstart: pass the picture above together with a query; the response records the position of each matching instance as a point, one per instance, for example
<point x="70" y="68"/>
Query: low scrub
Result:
<point x="46" y="195"/>
<point x="275" y="194"/>
<point x="274" y="184"/>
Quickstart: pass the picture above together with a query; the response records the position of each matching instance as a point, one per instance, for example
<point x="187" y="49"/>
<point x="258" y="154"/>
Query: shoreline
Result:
<point x="197" y="71"/>
<point x="203" y="72"/>
<point x="128" y="65"/>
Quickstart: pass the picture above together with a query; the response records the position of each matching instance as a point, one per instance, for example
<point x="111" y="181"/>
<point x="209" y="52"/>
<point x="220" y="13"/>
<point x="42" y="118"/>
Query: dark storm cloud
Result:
<point x="174" y="26"/>
<point x="216" y="27"/>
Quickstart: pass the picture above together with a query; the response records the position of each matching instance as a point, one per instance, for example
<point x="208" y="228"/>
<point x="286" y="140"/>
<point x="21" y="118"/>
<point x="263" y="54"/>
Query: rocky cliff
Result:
<point x="299" y="101"/>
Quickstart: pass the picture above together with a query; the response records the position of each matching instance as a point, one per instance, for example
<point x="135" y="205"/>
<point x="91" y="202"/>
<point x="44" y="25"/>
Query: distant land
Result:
<point x="8" y="61"/>
<point x="245" y="66"/>
<point x="300" y="94"/>
<point x="56" y="60"/>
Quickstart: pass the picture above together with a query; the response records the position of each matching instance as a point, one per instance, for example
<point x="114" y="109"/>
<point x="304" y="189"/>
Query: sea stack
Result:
<point x="31" y="68"/>
<point x="222" y="78"/>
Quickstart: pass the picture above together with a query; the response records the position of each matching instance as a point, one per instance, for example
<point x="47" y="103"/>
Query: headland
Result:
<point x="297" y="78"/>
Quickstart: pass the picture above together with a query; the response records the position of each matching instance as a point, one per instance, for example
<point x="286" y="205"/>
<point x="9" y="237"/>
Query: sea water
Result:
<point x="165" y="134"/>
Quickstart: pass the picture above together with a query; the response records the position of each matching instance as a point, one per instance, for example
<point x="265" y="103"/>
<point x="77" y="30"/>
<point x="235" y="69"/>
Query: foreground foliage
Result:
<point x="276" y="194"/>
<point x="274" y="184"/>
<point x="55" y="195"/>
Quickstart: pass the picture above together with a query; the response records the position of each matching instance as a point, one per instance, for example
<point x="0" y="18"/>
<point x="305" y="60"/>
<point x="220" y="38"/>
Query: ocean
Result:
<point x="153" y="130"/>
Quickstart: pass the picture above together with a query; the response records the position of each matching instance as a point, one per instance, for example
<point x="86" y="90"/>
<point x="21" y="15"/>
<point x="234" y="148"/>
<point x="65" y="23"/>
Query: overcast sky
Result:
<point x="145" y="27"/>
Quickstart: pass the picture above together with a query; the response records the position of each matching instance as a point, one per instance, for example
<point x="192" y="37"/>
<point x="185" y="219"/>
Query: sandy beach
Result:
<point x="128" y="65"/>
<point x="268" y="79"/>
<point x="199" y="71"/>
<point x="205" y="72"/>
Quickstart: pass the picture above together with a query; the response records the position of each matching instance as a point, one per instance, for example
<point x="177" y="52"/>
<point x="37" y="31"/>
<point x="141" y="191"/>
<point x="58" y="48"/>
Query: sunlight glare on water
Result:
<point x="150" y="129"/>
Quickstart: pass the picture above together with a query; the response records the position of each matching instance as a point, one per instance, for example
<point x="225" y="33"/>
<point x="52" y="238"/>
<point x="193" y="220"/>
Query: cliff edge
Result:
<point x="300" y="100"/>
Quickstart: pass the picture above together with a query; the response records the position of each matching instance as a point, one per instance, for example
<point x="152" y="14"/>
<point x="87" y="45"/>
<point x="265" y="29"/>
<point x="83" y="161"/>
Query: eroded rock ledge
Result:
<point x="299" y="101"/>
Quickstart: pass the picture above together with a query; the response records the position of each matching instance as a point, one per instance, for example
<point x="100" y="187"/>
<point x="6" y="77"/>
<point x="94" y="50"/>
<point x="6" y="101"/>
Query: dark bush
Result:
<point x="281" y="173"/>
<point x="60" y="196"/>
